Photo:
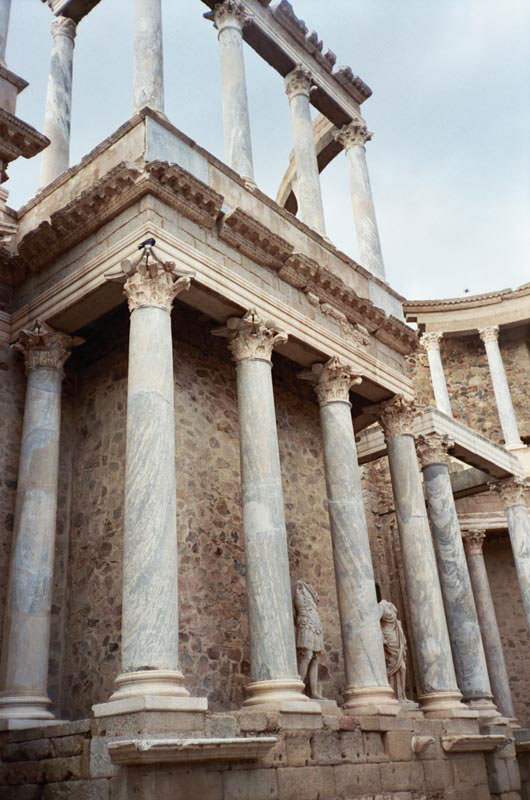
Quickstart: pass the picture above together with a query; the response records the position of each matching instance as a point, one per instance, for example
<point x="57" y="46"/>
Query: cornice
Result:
<point x="17" y="138"/>
<point x="250" y="237"/>
<point x="469" y="301"/>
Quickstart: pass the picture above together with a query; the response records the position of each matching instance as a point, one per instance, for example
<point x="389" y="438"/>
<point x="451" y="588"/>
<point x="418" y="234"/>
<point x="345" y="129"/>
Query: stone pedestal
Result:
<point x="462" y="620"/>
<point x="56" y="157"/>
<point x="367" y="689"/>
<point x="353" y="137"/>
<point x="490" y="337"/>
<point x="149" y="649"/>
<point x="148" y="55"/>
<point x="431" y="343"/>
<point x="297" y="86"/>
<point x="5" y="10"/>
<point x="439" y="695"/>
<point x="229" y="18"/>
<point x="26" y="640"/>
<point x="275" y="682"/>
<point x="500" y="684"/>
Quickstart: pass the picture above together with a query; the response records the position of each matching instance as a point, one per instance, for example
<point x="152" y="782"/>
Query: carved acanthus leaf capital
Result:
<point x="431" y="340"/>
<point x="432" y="448"/>
<point x="42" y="346"/>
<point x="230" y="12"/>
<point x="64" y="26"/>
<point x="489" y="334"/>
<point x="298" y="81"/>
<point x="151" y="282"/>
<point x="395" y="415"/>
<point x="354" y="134"/>
<point x="513" y="491"/>
<point x="251" y="337"/>
<point x="332" y="381"/>
<point x="474" y="540"/>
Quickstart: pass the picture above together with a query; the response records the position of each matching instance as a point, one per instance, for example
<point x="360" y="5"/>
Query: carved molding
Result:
<point x="432" y="448"/>
<point x="395" y="415"/>
<point x="298" y="81"/>
<point x="310" y="41"/>
<point x="513" y="491"/>
<point x="431" y="340"/>
<point x="230" y="13"/>
<point x="354" y="134"/>
<point x="17" y="138"/>
<point x="64" y="26"/>
<point x="332" y="380"/>
<point x="353" y="84"/>
<point x="473" y="540"/>
<point x="489" y="334"/>
<point x="44" y="347"/>
<point x="251" y="337"/>
<point x="253" y="239"/>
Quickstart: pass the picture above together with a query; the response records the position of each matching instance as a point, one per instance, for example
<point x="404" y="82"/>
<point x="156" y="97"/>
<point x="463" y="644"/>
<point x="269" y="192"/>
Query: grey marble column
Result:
<point x="273" y="667"/>
<point x="367" y="689"/>
<point x="503" y="397"/>
<point x="5" y="10"/>
<point x="26" y="640"/>
<point x="149" y="648"/>
<point x="353" y="137"/>
<point x="56" y="157"/>
<point x="229" y="18"/>
<point x="462" y="620"/>
<point x="148" y="55"/>
<point x="439" y="695"/>
<point x="431" y="343"/>
<point x="500" y="684"/>
<point x="513" y="492"/>
<point x="308" y="194"/>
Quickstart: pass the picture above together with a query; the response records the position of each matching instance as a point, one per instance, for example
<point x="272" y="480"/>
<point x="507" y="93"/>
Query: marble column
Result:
<point x="461" y="614"/>
<point x="500" y="684"/>
<point x="431" y="342"/>
<point x="5" y="10"/>
<point x="229" y="19"/>
<point x="308" y="194"/>
<point x="367" y="689"/>
<point x="273" y="667"/>
<point x="148" y="55"/>
<point x="56" y="157"/>
<point x="503" y="397"/>
<point x="26" y="640"/>
<point x="149" y="648"/>
<point x="353" y="137"/>
<point x="513" y="491"/>
<point x="439" y="695"/>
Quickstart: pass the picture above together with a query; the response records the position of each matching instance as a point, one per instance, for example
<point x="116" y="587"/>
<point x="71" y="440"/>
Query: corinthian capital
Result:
<point x="42" y="346"/>
<point x="473" y="540"/>
<point x="151" y="282"/>
<point x="354" y="134"/>
<point x="298" y="81"/>
<point x="490" y="334"/>
<point x="251" y="337"/>
<point x="64" y="26"/>
<point x="432" y="448"/>
<point x="332" y="381"/>
<point x="230" y="12"/>
<point x="431" y="340"/>
<point x="513" y="491"/>
<point x="395" y="415"/>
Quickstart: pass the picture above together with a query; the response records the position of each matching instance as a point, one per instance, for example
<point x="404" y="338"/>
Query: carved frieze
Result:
<point x="253" y="239"/>
<point x="42" y="346"/>
<point x="332" y="381"/>
<point x="251" y="337"/>
<point x="432" y="448"/>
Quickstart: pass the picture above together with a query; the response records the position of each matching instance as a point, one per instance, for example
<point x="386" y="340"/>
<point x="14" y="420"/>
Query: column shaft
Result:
<point x="229" y="20"/>
<point x="431" y="343"/>
<point x="56" y="157"/>
<point x="148" y="55"/>
<point x="5" y="10"/>
<point x="513" y="492"/>
<point x="308" y="193"/>
<point x="501" y="389"/>
<point x="491" y="638"/>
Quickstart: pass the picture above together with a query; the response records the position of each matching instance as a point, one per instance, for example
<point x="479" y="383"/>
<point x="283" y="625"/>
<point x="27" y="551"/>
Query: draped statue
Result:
<point x="309" y="639"/>
<point x="395" y="645"/>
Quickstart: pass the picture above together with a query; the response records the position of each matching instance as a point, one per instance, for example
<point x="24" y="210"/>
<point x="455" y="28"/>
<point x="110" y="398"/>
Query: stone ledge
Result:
<point x="472" y="743"/>
<point x="165" y="751"/>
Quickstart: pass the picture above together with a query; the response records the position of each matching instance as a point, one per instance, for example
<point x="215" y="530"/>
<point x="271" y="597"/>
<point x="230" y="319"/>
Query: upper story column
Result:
<point x="229" y="19"/>
<point x="5" y="10"/>
<point x="490" y="337"/>
<point x="56" y="157"/>
<point x="491" y="638"/>
<point x="26" y="640"/>
<point x="431" y="342"/>
<point x="353" y="137"/>
<point x="439" y="695"/>
<point x="308" y="194"/>
<point x="148" y="55"/>
<point x="367" y="689"/>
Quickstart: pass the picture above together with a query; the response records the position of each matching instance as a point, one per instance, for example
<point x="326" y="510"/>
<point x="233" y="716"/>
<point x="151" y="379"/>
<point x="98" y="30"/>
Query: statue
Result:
<point x="395" y="645"/>
<point x="309" y="639"/>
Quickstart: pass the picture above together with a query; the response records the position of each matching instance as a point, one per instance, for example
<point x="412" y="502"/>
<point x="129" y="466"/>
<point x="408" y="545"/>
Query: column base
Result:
<point x="370" y="701"/>
<point x="281" y="695"/>
<point x="445" y="705"/>
<point x="25" y="707"/>
<point x="485" y="708"/>
<point x="150" y="690"/>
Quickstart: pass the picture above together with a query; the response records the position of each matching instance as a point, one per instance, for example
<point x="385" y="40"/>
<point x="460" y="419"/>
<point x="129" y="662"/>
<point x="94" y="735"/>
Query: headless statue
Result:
<point x="395" y="645"/>
<point x="309" y="639"/>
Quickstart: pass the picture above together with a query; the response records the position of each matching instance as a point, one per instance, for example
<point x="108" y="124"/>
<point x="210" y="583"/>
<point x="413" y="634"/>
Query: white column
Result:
<point x="26" y="640"/>
<point x="148" y="55"/>
<point x="431" y="342"/>
<point x="353" y="138"/>
<point x="229" y="18"/>
<point x="490" y="337"/>
<point x="5" y="9"/>
<point x="56" y="157"/>
<point x="298" y="86"/>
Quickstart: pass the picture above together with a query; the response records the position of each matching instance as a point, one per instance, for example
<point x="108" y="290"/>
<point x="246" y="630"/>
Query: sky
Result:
<point x="449" y="161"/>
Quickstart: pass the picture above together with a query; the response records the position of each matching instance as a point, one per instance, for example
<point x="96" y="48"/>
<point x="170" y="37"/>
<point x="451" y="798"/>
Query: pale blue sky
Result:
<point x="450" y="158"/>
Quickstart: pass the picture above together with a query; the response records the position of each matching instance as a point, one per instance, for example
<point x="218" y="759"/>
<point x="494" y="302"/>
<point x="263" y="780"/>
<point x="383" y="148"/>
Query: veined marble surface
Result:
<point x="518" y="519"/>
<point x="148" y="55"/>
<point x="236" y="125"/>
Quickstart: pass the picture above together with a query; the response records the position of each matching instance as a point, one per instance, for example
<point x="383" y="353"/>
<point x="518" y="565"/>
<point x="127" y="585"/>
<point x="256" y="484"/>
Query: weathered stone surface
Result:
<point x="403" y="776"/>
<point x="356" y="779"/>
<point x="298" y="746"/>
<point x="310" y="783"/>
<point x="77" y="790"/>
<point x="256" y="784"/>
<point x="398" y="745"/>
